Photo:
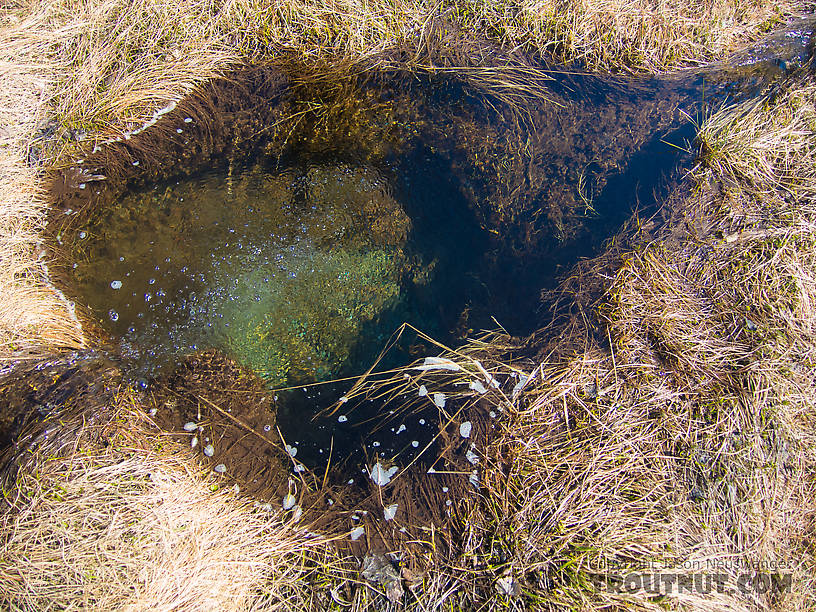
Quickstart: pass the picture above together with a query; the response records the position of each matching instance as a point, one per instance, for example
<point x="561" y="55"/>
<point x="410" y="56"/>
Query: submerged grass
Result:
<point x="670" y="421"/>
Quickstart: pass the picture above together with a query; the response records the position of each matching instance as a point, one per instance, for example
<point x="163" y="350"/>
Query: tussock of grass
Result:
<point x="31" y="312"/>
<point x="685" y="435"/>
<point x="624" y="36"/>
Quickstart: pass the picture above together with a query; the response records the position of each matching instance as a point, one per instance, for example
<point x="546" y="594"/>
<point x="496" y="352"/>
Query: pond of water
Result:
<point x="420" y="201"/>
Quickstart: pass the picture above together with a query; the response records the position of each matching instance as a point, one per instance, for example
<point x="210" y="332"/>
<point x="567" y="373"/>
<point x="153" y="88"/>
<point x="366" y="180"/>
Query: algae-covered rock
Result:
<point x="280" y="269"/>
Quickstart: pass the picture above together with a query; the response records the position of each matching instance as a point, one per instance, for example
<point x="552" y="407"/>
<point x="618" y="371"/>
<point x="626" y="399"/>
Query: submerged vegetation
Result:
<point x="663" y="418"/>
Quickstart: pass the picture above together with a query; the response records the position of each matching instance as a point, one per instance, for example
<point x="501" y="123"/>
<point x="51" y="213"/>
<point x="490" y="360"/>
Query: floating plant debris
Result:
<point x="381" y="476"/>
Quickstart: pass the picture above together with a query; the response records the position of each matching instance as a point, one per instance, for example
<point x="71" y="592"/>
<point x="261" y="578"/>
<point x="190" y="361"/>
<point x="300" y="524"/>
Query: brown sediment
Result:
<point x="234" y="412"/>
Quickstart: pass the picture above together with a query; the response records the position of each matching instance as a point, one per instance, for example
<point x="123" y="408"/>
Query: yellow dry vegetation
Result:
<point x="686" y="434"/>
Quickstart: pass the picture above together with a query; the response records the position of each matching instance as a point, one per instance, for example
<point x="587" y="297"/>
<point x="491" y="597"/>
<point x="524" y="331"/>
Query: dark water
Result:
<point x="432" y="205"/>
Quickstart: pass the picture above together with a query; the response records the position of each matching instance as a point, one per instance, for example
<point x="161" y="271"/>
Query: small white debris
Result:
<point x="445" y="489"/>
<point x="291" y="450"/>
<point x="415" y="443"/>
<point x="342" y="400"/>
<point x="401" y="429"/>
<point x="390" y="512"/>
<point x="423" y="391"/>
<point x="297" y="512"/>
<point x="351" y="481"/>
<point x="438" y="363"/>
<point x="117" y="284"/>
<point x="236" y="489"/>
<point x="507" y="585"/>
<point x="357" y="533"/>
<point x="166" y="109"/>
<point x="421" y="421"/>
<point x="82" y="185"/>
<point x="220" y="468"/>
<point x="342" y="418"/>
<point x="190" y="426"/>
<point x="492" y="414"/>
<point x="477" y="386"/>
<point x="188" y="120"/>
<point x="472" y="457"/>
<point x="289" y="501"/>
<point x="136" y="163"/>
<point x="152" y="411"/>
<point x="465" y="429"/>
<point x="299" y="467"/>
<point x="381" y="475"/>
<point x="474" y="478"/>
<point x="267" y="427"/>
<point x="330" y="501"/>
<point x="375" y="444"/>
<point x="439" y="400"/>
<point x="83" y="235"/>
<point x="179" y="130"/>
<point x="209" y="450"/>
<point x="519" y="386"/>
<point x="194" y="442"/>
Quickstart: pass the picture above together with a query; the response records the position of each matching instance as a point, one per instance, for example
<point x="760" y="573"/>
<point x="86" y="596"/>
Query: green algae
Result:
<point x="279" y="269"/>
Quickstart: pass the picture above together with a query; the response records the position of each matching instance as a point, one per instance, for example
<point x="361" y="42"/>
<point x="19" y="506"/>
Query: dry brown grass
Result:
<point x="135" y="528"/>
<point x="31" y="312"/>
<point x="685" y="435"/>
<point x="625" y="36"/>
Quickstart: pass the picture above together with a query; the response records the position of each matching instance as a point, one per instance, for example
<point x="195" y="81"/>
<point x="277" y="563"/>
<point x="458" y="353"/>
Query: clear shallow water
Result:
<point x="424" y="204"/>
<point x="280" y="270"/>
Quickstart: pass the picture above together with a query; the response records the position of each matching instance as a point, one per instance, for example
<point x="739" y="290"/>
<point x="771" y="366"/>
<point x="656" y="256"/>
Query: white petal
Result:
<point x="465" y="429"/>
<point x="390" y="512"/>
<point x="477" y="386"/>
<point x="439" y="399"/>
<point x="438" y="363"/>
